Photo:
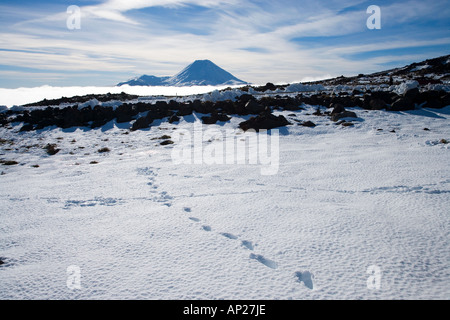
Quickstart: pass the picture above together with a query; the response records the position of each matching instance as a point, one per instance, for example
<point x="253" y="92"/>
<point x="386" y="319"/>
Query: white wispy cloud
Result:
<point x="258" y="41"/>
<point x="115" y="9"/>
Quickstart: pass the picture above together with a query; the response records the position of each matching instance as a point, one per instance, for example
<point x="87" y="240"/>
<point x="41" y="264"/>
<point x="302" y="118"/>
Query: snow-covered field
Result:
<point x="136" y="225"/>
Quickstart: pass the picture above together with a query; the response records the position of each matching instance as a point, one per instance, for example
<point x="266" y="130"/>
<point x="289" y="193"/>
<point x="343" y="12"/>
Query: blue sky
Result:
<point x="258" y="41"/>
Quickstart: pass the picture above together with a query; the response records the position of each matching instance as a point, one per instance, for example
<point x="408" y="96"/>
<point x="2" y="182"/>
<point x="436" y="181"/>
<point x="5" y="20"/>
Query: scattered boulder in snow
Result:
<point x="223" y="117"/>
<point x="339" y="112"/>
<point x="377" y="104"/>
<point x="26" y="127"/>
<point x="428" y="95"/>
<point x="342" y="115"/>
<point x="402" y="104"/>
<point x="337" y="108"/>
<point x="173" y="105"/>
<point x="405" y="86"/>
<point x="166" y="142"/>
<point x="214" y="118"/>
<point x="253" y="107"/>
<point x="308" y="124"/>
<point x="174" y="118"/>
<point x="318" y="113"/>
<point x="267" y="87"/>
<point x="433" y="104"/>
<point x="200" y="107"/>
<point x="141" y="123"/>
<point x="434" y="99"/>
<point x="445" y="100"/>
<point x="412" y="94"/>
<point x="387" y="96"/>
<point x="101" y="116"/>
<point x="185" y="110"/>
<point x="125" y="113"/>
<point x="226" y="106"/>
<point x="9" y="162"/>
<point x="71" y="117"/>
<point x="246" y="98"/>
<point x="265" y="121"/>
<point x="210" y="119"/>
<point x="51" y="149"/>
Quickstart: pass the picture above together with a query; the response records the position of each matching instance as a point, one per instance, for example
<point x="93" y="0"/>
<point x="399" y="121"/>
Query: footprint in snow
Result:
<point x="267" y="262"/>
<point x="206" y="228"/>
<point x="306" y="277"/>
<point x="229" y="236"/>
<point x="194" y="219"/>
<point x="247" y="244"/>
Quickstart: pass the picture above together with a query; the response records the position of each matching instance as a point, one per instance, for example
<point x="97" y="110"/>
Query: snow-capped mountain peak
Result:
<point x="198" y="73"/>
<point x="204" y="72"/>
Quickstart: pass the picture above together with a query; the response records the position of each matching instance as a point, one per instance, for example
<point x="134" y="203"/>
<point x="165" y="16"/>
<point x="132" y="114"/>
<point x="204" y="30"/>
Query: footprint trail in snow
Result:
<point x="304" y="277"/>
<point x="246" y="244"/>
<point x="157" y="196"/>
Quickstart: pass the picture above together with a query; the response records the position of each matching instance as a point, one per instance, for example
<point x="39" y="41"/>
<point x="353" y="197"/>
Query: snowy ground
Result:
<point x="140" y="226"/>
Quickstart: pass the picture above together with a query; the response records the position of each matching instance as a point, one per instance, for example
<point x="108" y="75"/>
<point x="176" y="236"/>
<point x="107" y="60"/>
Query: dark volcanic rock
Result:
<point x="412" y="94"/>
<point x="214" y="118"/>
<point x="199" y="107"/>
<point x="185" y="110"/>
<point x="223" y="117"/>
<point x="174" y="118"/>
<point x="125" y="113"/>
<point x="402" y="104"/>
<point x="227" y="107"/>
<point x="342" y="115"/>
<point x="346" y="101"/>
<point x="265" y="121"/>
<point x="445" y="100"/>
<point x="337" y="108"/>
<point x="377" y="104"/>
<point x="81" y="99"/>
<point x="161" y="105"/>
<point x="27" y="127"/>
<point x="71" y="117"/>
<point x="87" y="115"/>
<point x="434" y="104"/>
<point x="101" y="116"/>
<point x="51" y="149"/>
<point x="166" y="142"/>
<point x="124" y="118"/>
<point x="141" y="123"/>
<point x="268" y="86"/>
<point x="173" y="105"/>
<point x="318" y="113"/>
<point x="253" y="107"/>
<point x="245" y="98"/>
<point x="308" y="124"/>
<point x="210" y="120"/>
<point x="386" y="96"/>
<point x="428" y="95"/>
